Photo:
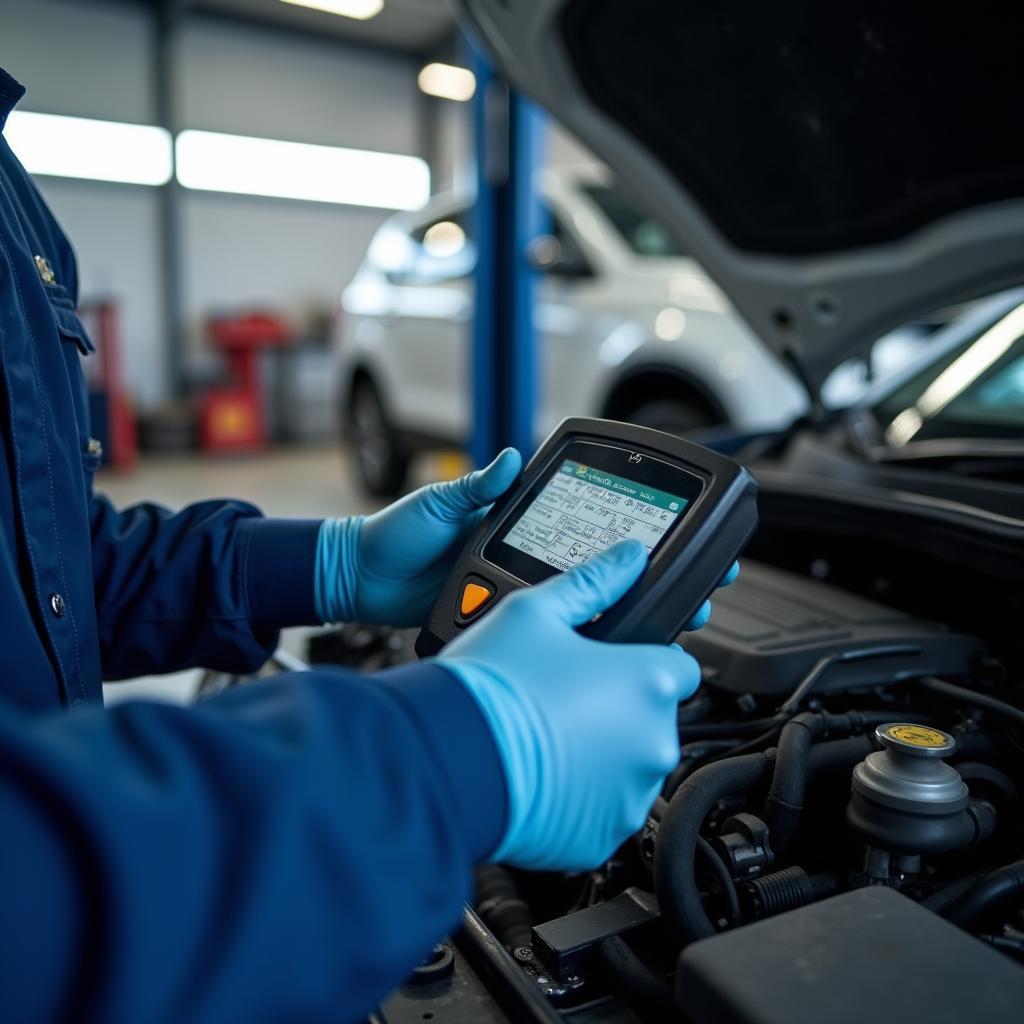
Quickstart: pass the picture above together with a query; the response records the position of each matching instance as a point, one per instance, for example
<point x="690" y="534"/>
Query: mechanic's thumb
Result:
<point x="586" y="590"/>
<point x="456" y="499"/>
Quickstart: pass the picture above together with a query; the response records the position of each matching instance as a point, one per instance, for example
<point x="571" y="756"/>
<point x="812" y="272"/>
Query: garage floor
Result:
<point x="301" y="482"/>
<point x="304" y="482"/>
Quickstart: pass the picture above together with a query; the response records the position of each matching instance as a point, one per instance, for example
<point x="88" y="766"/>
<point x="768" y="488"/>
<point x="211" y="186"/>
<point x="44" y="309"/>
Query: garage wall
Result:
<point x="293" y="255"/>
<point x="93" y="59"/>
<point x="87" y="59"/>
<point x="90" y="60"/>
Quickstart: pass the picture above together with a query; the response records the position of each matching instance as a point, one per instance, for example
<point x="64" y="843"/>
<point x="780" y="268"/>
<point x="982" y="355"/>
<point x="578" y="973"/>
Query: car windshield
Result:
<point x="645" y="235"/>
<point x="976" y="390"/>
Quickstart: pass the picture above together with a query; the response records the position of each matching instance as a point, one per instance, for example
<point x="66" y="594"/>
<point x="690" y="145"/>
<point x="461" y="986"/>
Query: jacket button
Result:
<point x="44" y="269"/>
<point x="57" y="605"/>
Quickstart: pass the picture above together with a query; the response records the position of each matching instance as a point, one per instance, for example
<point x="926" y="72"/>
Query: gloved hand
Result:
<point x="586" y="730"/>
<point x="389" y="567"/>
<point x="703" y="613"/>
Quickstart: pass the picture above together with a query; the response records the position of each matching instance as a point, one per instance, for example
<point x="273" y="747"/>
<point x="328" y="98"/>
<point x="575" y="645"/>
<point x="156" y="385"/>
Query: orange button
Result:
<point x="474" y="597"/>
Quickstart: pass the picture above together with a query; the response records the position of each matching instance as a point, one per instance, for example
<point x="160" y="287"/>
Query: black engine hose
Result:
<point x="981" y="700"/>
<point x="675" y="850"/>
<point x="1000" y="782"/>
<point x="999" y="890"/>
<point x="650" y="998"/>
<point x="728" y="730"/>
<point x="721" y="872"/>
<point x="696" y="708"/>
<point x="785" y="801"/>
<point x="691" y="753"/>
<point x="501" y="908"/>
<point x="838" y="755"/>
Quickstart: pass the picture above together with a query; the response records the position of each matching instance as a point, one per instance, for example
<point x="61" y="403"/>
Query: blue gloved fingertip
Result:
<point x="627" y="551"/>
<point x="494" y="479"/>
<point x="503" y="457"/>
<point x="700" y="618"/>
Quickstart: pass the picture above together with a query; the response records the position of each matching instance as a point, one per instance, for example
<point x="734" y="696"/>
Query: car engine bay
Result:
<point x="843" y="828"/>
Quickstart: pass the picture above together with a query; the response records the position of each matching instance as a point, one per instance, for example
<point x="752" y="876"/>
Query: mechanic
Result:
<point x="290" y="849"/>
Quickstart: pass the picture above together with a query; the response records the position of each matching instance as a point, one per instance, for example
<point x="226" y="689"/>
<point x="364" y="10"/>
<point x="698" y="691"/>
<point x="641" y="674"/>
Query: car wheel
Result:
<point x="381" y="460"/>
<point x="670" y="416"/>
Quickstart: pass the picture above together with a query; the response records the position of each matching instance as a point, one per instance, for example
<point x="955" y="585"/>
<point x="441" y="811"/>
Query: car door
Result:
<point x="431" y="309"/>
<point x="566" y="324"/>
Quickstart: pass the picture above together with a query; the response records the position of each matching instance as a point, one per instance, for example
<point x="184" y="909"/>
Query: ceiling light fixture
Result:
<point x="361" y="10"/>
<point x="80" y="147"/>
<point x="214" y="162"/>
<point x="447" y="82"/>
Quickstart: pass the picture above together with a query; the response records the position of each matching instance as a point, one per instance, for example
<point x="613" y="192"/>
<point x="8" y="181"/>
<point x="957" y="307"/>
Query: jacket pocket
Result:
<point x="75" y="344"/>
<point x="71" y="329"/>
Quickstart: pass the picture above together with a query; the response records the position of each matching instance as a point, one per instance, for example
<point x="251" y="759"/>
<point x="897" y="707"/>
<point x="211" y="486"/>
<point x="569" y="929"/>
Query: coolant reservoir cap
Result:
<point x="916" y="740"/>
<point x="909" y="773"/>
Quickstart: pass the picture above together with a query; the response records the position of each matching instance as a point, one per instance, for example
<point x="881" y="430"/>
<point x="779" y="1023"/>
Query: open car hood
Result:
<point x="838" y="169"/>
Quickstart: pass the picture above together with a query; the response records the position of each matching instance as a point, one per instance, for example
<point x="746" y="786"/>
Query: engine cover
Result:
<point x="771" y="627"/>
<point x="871" y="954"/>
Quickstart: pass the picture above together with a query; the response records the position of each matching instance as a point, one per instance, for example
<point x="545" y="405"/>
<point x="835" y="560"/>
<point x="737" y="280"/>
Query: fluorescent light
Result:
<point x="79" y="147"/>
<point x="214" y="162"/>
<point x="447" y="81"/>
<point x="360" y="9"/>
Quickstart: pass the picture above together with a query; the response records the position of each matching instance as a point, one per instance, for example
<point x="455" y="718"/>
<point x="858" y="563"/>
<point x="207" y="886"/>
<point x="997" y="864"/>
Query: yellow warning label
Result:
<point x="917" y="735"/>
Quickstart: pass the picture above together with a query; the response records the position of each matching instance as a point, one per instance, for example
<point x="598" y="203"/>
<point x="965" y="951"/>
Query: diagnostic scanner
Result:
<point x="593" y="483"/>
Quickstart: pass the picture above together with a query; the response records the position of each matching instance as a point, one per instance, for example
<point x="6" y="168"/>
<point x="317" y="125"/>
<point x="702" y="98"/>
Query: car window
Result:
<point x="974" y="391"/>
<point x="570" y="261"/>
<point x="443" y="249"/>
<point x="644" y="234"/>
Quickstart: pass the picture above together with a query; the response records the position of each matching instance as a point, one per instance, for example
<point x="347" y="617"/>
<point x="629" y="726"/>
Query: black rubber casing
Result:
<point x="683" y="571"/>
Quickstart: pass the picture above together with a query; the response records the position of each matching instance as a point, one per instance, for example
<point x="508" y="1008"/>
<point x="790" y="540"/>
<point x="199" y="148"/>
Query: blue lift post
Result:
<point x="508" y="132"/>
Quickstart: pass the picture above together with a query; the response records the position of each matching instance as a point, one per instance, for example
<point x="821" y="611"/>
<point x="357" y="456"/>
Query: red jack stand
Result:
<point x="233" y="418"/>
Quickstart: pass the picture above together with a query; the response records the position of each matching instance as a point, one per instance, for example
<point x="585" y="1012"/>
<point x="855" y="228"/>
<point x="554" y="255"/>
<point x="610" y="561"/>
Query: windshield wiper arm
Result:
<point x="989" y="459"/>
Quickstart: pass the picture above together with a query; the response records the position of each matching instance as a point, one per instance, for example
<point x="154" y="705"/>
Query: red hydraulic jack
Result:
<point x="232" y="418"/>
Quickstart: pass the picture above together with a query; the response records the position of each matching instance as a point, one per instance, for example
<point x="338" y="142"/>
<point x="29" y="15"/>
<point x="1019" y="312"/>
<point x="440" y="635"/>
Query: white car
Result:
<point x="628" y="327"/>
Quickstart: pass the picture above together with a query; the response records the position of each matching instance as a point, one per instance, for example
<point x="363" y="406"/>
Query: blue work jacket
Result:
<point x="286" y="851"/>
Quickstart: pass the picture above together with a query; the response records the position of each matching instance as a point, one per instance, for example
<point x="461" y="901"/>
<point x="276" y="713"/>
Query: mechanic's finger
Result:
<point x="700" y="618"/>
<point x="584" y="591"/>
<point x="491" y="482"/>
<point x="685" y="673"/>
<point x="730" y="577"/>
<point x="456" y="499"/>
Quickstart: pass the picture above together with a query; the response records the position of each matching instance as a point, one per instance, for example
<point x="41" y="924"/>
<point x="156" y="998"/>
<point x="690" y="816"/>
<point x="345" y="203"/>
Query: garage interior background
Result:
<point x="261" y="68"/>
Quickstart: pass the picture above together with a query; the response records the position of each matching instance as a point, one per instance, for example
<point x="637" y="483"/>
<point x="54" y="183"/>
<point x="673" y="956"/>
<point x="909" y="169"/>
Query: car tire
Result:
<point x="669" y="416"/>
<point x="382" y="462"/>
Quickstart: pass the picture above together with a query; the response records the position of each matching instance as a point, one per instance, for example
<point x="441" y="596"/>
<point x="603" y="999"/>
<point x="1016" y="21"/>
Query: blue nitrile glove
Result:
<point x="586" y="730"/>
<point x="700" y="619"/>
<point x="390" y="567"/>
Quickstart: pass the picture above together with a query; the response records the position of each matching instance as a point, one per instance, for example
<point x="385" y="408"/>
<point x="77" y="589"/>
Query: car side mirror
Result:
<point x="549" y="255"/>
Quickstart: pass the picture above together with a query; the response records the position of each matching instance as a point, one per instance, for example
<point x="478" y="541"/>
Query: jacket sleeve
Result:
<point x="210" y="585"/>
<point x="286" y="851"/>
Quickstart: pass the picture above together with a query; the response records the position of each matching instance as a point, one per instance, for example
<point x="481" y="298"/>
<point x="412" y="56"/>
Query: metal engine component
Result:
<point x="784" y="890"/>
<point x="906" y="799"/>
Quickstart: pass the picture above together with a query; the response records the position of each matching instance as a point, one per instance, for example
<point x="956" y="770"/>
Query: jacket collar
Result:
<point x="10" y="92"/>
